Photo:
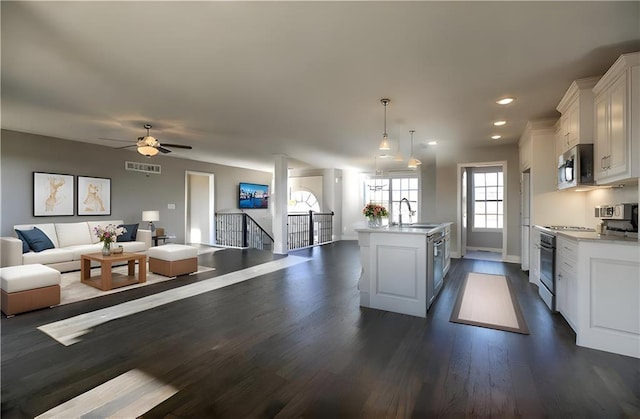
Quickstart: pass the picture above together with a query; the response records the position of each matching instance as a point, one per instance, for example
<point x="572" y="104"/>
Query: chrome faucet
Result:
<point x="411" y="213"/>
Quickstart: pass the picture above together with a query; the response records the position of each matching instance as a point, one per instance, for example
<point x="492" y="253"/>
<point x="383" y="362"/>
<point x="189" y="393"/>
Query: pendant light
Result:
<point x="384" y="144"/>
<point x="413" y="162"/>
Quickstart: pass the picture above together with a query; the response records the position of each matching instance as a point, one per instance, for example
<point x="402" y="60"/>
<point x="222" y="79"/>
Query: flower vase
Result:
<point x="375" y="222"/>
<point x="106" y="248"/>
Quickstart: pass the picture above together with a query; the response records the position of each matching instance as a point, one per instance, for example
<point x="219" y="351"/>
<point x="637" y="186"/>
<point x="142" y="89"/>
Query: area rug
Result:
<point x="72" y="290"/>
<point x="487" y="300"/>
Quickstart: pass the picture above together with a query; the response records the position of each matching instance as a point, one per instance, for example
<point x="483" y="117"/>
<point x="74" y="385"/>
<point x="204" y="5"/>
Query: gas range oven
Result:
<point x="569" y="228"/>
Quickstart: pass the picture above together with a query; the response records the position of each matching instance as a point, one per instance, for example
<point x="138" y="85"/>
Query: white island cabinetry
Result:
<point x="396" y="270"/>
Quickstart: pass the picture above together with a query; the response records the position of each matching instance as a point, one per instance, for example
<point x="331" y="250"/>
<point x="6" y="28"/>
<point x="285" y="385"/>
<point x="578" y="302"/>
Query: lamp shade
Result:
<point x="150" y="215"/>
<point x="413" y="163"/>
<point x="384" y="144"/>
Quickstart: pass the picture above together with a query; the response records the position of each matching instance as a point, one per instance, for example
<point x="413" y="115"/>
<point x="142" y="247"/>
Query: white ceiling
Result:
<point x="241" y="81"/>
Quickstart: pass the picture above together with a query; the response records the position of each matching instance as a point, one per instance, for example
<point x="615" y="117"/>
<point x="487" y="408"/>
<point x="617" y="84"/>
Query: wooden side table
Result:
<point x="157" y="239"/>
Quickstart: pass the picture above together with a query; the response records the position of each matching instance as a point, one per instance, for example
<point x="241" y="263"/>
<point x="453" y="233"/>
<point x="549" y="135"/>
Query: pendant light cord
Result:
<point x="411" y="132"/>
<point x="385" y="120"/>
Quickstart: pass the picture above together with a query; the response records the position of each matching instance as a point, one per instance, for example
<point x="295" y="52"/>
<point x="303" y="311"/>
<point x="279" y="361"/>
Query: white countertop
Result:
<point x="591" y="236"/>
<point x="406" y="229"/>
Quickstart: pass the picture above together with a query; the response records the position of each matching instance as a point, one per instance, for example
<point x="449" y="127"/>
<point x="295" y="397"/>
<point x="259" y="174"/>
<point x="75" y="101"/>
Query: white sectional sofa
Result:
<point x="70" y="240"/>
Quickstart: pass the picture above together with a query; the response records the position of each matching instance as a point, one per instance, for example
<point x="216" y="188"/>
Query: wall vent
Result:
<point x="142" y="167"/>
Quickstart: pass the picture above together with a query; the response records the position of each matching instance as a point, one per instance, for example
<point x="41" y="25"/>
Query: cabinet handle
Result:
<point x="602" y="162"/>
<point x="559" y="277"/>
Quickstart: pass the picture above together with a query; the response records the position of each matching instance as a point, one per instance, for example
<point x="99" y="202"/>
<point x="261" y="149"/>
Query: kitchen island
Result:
<point x="403" y="267"/>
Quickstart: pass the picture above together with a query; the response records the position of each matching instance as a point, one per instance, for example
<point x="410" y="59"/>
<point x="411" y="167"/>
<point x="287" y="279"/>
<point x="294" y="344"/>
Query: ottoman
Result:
<point x="173" y="259"/>
<point x="28" y="287"/>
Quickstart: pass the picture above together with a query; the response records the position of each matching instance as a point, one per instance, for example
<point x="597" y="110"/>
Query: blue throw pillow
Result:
<point x="25" y="243"/>
<point x="130" y="235"/>
<point x="38" y="241"/>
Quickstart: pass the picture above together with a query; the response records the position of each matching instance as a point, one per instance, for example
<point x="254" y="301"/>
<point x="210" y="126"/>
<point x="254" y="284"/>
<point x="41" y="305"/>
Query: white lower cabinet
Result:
<point x="567" y="280"/>
<point x="534" y="257"/>
<point x="598" y="293"/>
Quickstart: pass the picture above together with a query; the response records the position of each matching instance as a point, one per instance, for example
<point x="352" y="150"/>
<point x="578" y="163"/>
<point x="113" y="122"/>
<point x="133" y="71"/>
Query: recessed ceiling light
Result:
<point x="505" y="101"/>
<point x="432" y="143"/>
<point x="500" y="123"/>
<point x="496" y="137"/>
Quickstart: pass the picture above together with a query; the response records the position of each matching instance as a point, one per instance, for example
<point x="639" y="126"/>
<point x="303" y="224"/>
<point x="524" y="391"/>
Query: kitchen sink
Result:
<point x="423" y="225"/>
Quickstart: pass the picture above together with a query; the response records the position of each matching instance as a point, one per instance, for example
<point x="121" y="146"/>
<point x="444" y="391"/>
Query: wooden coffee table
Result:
<point x="107" y="280"/>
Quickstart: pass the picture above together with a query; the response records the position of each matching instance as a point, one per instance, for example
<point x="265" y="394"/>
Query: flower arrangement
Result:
<point x="109" y="234"/>
<point x="374" y="210"/>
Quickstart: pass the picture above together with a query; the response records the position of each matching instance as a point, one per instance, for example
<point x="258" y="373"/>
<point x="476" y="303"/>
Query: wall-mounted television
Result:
<point x="252" y="195"/>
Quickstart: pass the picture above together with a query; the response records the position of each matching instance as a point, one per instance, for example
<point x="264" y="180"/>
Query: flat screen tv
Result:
<point x="252" y="195"/>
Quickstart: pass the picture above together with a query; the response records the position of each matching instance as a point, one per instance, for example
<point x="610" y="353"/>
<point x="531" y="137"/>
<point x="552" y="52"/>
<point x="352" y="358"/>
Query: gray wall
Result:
<point x="21" y="154"/>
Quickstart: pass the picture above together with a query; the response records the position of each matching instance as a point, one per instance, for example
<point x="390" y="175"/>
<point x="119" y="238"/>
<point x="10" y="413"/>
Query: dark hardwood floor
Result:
<point x="296" y="343"/>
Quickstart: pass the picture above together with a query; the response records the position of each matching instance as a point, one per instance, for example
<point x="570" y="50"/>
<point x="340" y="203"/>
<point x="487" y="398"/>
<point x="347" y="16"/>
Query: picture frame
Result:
<point x="53" y="194"/>
<point x="94" y="195"/>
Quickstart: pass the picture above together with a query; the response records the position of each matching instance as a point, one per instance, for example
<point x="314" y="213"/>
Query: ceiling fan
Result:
<point x="149" y="146"/>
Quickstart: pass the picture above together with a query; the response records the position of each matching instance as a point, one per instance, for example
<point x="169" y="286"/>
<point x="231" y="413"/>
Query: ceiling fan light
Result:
<point x="150" y="141"/>
<point x="147" y="151"/>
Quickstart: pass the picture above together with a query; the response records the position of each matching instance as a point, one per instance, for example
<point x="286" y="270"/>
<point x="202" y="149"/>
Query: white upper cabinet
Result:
<point x="617" y="121"/>
<point x="576" y="122"/>
<point x="524" y="146"/>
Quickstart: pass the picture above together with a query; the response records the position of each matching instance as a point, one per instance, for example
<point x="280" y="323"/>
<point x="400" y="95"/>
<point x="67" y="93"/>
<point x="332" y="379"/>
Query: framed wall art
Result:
<point x="94" y="196"/>
<point x="52" y="194"/>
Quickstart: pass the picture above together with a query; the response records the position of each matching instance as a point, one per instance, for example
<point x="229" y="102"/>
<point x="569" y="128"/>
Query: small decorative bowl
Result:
<point x="117" y="250"/>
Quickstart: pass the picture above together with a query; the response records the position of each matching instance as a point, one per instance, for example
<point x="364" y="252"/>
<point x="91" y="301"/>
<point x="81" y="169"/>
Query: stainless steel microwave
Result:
<point x="575" y="167"/>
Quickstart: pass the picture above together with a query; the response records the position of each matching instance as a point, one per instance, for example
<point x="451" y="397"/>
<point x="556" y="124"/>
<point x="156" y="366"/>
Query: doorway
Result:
<point x="482" y="215"/>
<point x="200" y="226"/>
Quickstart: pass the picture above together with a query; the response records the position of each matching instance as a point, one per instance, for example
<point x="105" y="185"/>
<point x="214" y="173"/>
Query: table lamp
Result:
<point x="151" y="216"/>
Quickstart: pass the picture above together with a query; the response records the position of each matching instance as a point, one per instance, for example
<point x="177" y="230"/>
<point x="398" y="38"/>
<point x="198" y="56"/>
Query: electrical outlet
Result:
<point x="171" y="206"/>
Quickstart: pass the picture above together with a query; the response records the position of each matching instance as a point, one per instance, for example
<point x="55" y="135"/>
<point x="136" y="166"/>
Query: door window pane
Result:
<point x="488" y="198"/>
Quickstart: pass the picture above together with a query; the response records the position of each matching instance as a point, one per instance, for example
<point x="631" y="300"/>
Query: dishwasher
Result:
<point x="435" y="265"/>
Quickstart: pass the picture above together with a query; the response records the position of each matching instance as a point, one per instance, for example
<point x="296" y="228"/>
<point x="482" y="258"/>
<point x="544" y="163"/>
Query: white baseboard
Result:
<point x="485" y="249"/>
<point x="509" y="258"/>
<point x="513" y="259"/>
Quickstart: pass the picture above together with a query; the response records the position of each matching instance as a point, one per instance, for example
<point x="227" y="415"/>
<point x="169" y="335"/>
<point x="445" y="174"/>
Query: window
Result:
<point x="488" y="189"/>
<point x="302" y="201"/>
<point x="389" y="193"/>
